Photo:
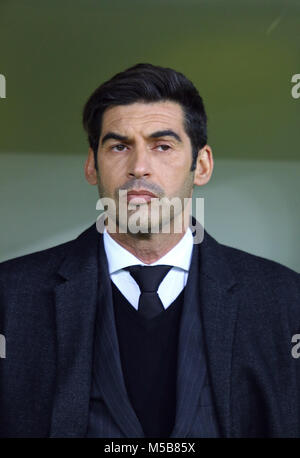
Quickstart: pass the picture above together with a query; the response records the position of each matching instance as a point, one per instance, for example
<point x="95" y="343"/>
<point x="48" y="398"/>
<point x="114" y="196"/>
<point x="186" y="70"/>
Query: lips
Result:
<point x="141" y="192"/>
<point x="140" y="196"/>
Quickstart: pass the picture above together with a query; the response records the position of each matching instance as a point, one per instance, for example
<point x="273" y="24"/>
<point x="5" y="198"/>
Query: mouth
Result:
<point x="141" y="196"/>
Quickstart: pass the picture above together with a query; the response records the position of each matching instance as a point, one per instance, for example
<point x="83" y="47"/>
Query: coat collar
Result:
<point x="75" y="303"/>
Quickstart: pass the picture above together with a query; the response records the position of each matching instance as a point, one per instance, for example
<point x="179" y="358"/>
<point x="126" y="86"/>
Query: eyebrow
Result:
<point x="157" y="134"/>
<point x="166" y="133"/>
<point x="113" y="136"/>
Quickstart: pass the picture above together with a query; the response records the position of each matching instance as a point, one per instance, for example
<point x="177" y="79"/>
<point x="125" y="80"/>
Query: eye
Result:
<point x="118" y="147"/>
<point x="164" y="147"/>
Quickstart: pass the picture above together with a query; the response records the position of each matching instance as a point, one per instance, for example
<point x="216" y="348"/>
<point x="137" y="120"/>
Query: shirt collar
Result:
<point x="119" y="258"/>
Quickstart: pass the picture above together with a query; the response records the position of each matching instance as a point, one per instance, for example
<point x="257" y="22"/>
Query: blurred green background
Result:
<point x="241" y="55"/>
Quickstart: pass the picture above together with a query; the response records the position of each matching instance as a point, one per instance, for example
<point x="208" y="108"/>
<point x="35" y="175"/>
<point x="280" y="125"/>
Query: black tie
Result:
<point x="149" y="278"/>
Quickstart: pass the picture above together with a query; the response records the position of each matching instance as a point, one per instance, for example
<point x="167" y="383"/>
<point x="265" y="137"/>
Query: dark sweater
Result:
<point x="148" y="352"/>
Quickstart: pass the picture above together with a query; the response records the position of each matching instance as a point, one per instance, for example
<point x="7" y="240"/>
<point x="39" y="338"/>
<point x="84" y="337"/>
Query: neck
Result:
<point x="150" y="247"/>
<point x="148" y="250"/>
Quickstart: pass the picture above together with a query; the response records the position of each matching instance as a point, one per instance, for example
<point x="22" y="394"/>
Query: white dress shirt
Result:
<point x="173" y="283"/>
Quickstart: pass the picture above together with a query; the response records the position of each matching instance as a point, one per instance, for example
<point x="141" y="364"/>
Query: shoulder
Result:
<point x="34" y="265"/>
<point x="44" y="262"/>
<point x="250" y="267"/>
<point x="244" y="266"/>
<point x="267" y="285"/>
<point x="262" y="284"/>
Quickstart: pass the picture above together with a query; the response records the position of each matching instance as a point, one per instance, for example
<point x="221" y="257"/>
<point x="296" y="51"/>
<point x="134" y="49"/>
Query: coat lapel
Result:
<point x="191" y="360"/>
<point x="219" y="304"/>
<point x="108" y="371"/>
<point x="86" y="284"/>
<point x="206" y="336"/>
<point x="75" y="302"/>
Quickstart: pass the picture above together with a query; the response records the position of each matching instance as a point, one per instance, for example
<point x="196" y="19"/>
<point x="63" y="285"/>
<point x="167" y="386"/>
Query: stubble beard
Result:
<point x="148" y="225"/>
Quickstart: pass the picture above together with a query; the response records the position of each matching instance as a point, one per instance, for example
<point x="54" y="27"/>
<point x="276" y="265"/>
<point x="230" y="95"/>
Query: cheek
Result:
<point x="106" y="179"/>
<point x="110" y="181"/>
<point x="182" y="185"/>
<point x="177" y="174"/>
<point x="112" y="168"/>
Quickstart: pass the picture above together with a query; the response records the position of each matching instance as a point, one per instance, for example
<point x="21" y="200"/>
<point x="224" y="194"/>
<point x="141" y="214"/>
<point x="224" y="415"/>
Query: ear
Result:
<point x="89" y="168"/>
<point x="204" y="166"/>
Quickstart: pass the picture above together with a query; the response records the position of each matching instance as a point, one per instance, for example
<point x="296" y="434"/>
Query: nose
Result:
<point x="139" y="162"/>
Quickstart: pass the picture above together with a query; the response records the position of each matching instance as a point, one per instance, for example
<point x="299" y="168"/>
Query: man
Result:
<point x="133" y="329"/>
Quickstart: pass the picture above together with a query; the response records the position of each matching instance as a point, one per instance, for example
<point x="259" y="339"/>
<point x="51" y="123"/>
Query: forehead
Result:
<point x="143" y="116"/>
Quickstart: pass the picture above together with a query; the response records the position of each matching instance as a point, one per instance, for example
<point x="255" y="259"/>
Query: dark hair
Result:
<point x="147" y="83"/>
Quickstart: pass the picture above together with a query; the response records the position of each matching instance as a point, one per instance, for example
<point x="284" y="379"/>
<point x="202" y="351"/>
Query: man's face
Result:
<point x="143" y="146"/>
